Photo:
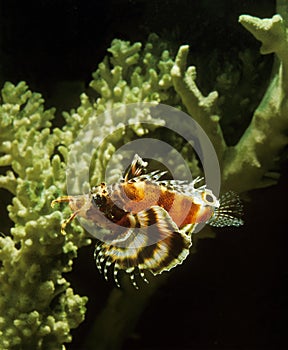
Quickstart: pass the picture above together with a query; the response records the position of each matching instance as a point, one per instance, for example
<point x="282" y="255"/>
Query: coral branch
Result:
<point x="35" y="255"/>
<point x="270" y="31"/>
<point x="37" y="309"/>
<point x="121" y="313"/>
<point x="199" y="107"/>
<point x="273" y="35"/>
<point x="247" y="165"/>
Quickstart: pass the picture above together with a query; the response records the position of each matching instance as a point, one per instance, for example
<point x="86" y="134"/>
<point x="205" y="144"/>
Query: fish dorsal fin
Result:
<point x="183" y="186"/>
<point x="137" y="171"/>
<point x="229" y="212"/>
<point x="154" y="176"/>
<point x="137" y="167"/>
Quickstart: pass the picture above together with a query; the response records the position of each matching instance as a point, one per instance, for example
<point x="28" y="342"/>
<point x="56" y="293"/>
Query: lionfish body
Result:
<point x="150" y="221"/>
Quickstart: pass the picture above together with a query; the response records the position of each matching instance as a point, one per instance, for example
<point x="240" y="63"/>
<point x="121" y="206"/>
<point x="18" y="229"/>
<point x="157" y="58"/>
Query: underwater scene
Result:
<point x="143" y="175"/>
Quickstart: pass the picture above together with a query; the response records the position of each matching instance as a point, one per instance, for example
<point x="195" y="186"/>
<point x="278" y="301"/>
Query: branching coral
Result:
<point x="246" y="165"/>
<point x="37" y="307"/>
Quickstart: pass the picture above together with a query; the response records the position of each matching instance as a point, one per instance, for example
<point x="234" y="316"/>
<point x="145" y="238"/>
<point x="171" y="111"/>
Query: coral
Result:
<point x="247" y="165"/>
<point x="250" y="163"/>
<point x="37" y="306"/>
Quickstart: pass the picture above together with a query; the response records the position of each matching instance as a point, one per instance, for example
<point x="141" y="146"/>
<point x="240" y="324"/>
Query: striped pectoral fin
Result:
<point x="171" y="246"/>
<point x="165" y="254"/>
<point x="154" y="244"/>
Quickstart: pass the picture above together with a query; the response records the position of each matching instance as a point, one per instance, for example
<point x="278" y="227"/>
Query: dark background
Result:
<point x="231" y="294"/>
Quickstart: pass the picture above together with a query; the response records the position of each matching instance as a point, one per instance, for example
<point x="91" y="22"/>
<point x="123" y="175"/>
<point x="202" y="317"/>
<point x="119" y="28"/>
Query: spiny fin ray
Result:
<point x="230" y="211"/>
<point x="142" y="253"/>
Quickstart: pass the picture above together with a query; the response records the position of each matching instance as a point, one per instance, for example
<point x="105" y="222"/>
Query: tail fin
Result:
<point x="229" y="212"/>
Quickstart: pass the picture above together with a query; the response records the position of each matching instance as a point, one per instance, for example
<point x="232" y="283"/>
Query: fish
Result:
<point x="149" y="221"/>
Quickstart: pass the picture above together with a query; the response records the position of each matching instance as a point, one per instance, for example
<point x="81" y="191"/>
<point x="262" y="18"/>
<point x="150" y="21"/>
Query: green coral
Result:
<point x="37" y="307"/>
<point x="35" y="256"/>
<point x="247" y="165"/>
<point x="133" y="75"/>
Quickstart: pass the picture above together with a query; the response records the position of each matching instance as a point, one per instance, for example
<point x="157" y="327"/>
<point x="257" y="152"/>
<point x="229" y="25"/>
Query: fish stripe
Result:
<point x="170" y="250"/>
<point x="149" y="222"/>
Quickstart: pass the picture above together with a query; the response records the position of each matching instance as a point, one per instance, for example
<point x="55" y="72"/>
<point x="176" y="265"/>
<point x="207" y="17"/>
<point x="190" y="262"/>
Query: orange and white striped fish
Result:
<point x="150" y="221"/>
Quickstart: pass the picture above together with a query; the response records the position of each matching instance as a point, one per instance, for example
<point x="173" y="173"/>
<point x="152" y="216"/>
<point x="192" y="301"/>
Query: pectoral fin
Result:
<point x="154" y="244"/>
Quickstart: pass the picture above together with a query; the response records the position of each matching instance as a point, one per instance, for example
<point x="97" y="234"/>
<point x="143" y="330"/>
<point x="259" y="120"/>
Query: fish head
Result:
<point x="99" y="195"/>
<point x="205" y="198"/>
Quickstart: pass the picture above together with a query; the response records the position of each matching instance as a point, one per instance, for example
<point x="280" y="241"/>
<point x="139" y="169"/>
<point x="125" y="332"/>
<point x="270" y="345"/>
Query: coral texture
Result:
<point x="37" y="306"/>
<point x="247" y="165"/>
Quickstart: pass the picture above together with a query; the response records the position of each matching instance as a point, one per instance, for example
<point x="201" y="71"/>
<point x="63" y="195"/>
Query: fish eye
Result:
<point x="98" y="200"/>
<point x="209" y="197"/>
